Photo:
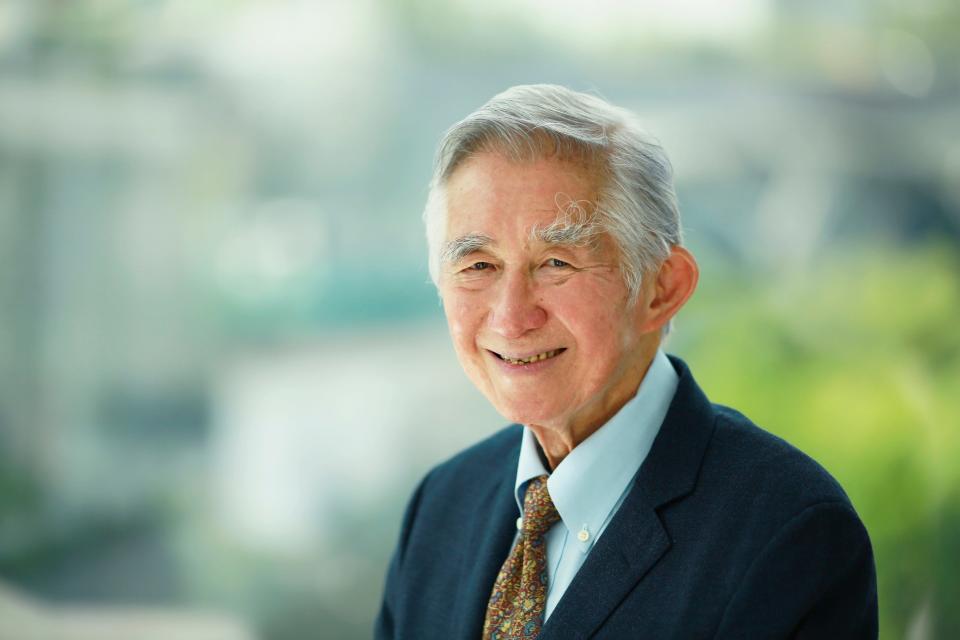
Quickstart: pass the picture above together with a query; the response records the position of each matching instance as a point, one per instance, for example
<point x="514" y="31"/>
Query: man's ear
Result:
<point x="672" y="286"/>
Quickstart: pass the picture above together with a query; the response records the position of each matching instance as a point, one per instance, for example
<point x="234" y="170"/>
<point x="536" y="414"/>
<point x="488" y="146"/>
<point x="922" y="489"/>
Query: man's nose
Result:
<point x="516" y="308"/>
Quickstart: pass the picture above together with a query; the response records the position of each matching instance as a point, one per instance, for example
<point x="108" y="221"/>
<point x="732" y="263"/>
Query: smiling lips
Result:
<point x="546" y="355"/>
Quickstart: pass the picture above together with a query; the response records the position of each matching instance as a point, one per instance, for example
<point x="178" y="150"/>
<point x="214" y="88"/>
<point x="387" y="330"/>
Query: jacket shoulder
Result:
<point x="773" y="468"/>
<point x="486" y="458"/>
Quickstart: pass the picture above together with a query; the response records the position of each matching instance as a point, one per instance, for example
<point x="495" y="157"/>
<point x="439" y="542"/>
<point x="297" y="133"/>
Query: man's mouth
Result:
<point x="546" y="355"/>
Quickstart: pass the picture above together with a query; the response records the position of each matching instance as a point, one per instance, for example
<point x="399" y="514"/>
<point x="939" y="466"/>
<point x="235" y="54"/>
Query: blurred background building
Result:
<point x="222" y="365"/>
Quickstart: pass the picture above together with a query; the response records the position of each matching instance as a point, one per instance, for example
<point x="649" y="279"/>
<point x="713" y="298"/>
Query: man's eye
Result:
<point x="479" y="266"/>
<point x="559" y="264"/>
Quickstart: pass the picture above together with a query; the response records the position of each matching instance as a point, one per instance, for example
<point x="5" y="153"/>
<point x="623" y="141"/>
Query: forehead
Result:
<point x="489" y="189"/>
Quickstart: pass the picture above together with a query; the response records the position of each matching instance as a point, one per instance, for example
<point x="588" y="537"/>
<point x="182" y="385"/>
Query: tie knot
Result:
<point x="539" y="514"/>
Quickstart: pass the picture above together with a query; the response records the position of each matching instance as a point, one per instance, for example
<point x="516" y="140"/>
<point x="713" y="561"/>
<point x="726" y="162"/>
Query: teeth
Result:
<point x="537" y="358"/>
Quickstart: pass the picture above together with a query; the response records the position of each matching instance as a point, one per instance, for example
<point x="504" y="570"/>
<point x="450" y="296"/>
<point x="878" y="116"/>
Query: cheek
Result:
<point x="591" y="313"/>
<point x="462" y="322"/>
<point x="601" y="340"/>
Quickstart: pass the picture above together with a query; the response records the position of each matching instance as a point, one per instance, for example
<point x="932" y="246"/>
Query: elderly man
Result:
<point x="622" y="503"/>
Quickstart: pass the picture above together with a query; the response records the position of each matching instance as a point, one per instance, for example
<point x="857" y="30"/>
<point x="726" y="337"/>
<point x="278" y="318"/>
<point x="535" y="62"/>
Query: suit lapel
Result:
<point x="625" y="552"/>
<point x="635" y="540"/>
<point x="493" y="534"/>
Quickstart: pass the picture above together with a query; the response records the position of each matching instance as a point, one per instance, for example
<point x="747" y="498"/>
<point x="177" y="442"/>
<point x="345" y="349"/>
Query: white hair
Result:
<point x="637" y="205"/>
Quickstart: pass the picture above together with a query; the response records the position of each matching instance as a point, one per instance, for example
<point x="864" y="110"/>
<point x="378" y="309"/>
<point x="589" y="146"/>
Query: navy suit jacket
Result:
<point x="728" y="532"/>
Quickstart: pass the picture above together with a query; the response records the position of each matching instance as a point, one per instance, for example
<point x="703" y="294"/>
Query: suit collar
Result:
<point x="636" y="539"/>
<point x="671" y="469"/>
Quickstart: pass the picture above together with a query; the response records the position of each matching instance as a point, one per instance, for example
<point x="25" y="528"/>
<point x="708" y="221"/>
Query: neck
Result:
<point x="558" y="440"/>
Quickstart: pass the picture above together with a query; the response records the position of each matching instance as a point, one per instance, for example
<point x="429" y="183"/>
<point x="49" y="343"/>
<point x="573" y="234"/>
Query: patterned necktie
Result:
<point x="516" y="605"/>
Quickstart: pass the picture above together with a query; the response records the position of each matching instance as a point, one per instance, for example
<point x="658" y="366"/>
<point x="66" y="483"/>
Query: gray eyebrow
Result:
<point x="574" y="226"/>
<point x="459" y="248"/>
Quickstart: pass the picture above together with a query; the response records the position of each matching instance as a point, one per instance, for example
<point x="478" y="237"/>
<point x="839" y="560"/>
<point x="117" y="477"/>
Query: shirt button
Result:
<point x="583" y="536"/>
<point x="520" y="523"/>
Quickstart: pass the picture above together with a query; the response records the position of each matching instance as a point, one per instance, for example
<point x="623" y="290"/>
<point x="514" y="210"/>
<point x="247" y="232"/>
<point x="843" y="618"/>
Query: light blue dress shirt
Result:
<point x="590" y="484"/>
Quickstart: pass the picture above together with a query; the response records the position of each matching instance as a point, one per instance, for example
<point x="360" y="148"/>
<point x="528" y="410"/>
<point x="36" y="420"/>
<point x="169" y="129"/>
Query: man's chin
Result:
<point x="522" y="413"/>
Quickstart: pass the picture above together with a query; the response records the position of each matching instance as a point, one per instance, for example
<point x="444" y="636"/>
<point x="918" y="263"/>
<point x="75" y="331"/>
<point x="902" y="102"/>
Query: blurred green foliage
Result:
<point x="857" y="362"/>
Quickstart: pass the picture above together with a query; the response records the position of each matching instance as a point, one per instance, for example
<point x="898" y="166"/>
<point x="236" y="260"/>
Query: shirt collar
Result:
<point x="588" y="484"/>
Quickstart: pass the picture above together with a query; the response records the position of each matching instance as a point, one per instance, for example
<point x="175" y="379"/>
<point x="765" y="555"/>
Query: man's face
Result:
<point x="511" y="296"/>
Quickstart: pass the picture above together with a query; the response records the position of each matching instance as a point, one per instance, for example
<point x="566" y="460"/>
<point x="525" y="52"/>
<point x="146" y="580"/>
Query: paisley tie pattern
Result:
<point x="516" y="605"/>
